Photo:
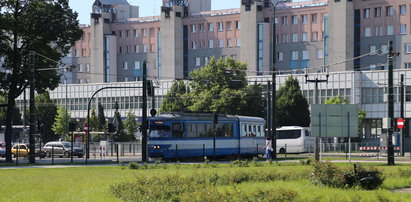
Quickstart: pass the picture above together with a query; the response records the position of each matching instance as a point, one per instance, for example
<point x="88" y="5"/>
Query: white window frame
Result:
<point x="304" y="19"/>
<point x="295" y="37"/>
<point x="305" y="54"/>
<point x="137" y="64"/>
<point x="221" y="43"/>
<point x="198" y="61"/>
<point x="294" y="20"/>
<point x="80" y="68"/>
<point x="144" y="32"/>
<point x="210" y="27"/>
<point x="408" y="48"/>
<point x="125" y="65"/>
<point x="304" y="36"/>
<point x="238" y="42"/>
<point x="367" y="32"/>
<point x="206" y="60"/>
<point x="390" y="30"/>
<point x="220" y="26"/>
<point x="229" y="25"/>
<point x="144" y="49"/>
<point x="402" y="10"/>
<point x="280" y="56"/>
<point x="389" y="10"/>
<point x="373" y="49"/>
<point x="136" y="33"/>
<point x="193" y="45"/>
<point x="366" y="12"/>
<point x="294" y="55"/>
<point x="87" y="67"/>
<point x="403" y="29"/>
<point x="193" y="29"/>
<point x="238" y="24"/>
<point x="210" y="43"/>
<point x="320" y="53"/>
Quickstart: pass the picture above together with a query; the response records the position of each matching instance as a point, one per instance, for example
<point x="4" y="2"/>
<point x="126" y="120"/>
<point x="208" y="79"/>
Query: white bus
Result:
<point x="294" y="139"/>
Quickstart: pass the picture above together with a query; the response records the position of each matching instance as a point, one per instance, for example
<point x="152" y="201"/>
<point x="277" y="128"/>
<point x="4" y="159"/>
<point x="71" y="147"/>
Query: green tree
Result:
<point x="292" y="107"/>
<point x="176" y="99"/>
<point x="117" y="117"/>
<point x="17" y="116"/>
<point x="46" y="113"/>
<point x="93" y="120"/>
<point x="361" y="113"/>
<point x="61" y="121"/>
<point x="101" y="118"/>
<point x="220" y="86"/>
<point x="131" y="125"/>
<point x="48" y="27"/>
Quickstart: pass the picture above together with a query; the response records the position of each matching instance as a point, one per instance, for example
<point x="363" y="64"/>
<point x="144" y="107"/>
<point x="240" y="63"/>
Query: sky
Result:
<point x="147" y="7"/>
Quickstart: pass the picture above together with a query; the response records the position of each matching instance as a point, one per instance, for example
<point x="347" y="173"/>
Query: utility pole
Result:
<point x="32" y="131"/>
<point x="402" y="114"/>
<point x="318" y="140"/>
<point x="145" y="123"/>
<point x="390" y="147"/>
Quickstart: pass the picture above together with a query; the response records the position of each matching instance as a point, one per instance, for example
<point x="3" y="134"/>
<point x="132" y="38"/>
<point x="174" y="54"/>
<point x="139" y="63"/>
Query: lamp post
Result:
<point x="274" y="57"/>
<point x="65" y="104"/>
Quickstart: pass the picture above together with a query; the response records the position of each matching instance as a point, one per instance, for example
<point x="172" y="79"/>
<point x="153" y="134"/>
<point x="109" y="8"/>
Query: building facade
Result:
<point x="346" y="38"/>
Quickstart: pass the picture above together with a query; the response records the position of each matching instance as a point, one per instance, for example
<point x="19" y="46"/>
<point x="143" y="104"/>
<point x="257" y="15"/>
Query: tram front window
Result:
<point x="159" y="131"/>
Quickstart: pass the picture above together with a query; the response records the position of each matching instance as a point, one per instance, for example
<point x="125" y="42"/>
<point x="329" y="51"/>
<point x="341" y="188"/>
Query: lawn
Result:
<point x="290" y="181"/>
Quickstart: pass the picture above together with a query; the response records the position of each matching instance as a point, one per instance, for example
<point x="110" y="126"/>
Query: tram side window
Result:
<point x="224" y="130"/>
<point x="178" y="130"/>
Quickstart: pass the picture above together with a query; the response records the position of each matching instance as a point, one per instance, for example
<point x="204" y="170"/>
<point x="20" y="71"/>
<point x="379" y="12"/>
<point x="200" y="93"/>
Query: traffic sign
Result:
<point x="86" y="128"/>
<point x="400" y="123"/>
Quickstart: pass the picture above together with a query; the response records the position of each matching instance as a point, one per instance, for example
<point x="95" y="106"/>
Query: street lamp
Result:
<point x="274" y="57"/>
<point x="65" y="103"/>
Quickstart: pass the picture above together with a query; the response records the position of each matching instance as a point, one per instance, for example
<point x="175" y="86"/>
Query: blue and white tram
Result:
<point x="183" y="135"/>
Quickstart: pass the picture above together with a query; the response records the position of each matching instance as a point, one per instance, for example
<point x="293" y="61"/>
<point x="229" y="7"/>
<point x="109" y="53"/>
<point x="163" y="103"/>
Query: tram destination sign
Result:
<point x="340" y="120"/>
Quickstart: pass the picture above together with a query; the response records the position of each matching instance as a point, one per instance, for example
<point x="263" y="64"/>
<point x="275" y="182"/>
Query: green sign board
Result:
<point x="334" y="120"/>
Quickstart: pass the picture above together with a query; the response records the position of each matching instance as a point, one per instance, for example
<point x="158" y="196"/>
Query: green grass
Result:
<point x="94" y="183"/>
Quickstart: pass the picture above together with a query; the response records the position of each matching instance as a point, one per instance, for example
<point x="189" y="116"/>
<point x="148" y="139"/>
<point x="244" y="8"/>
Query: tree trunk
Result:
<point x="9" y="119"/>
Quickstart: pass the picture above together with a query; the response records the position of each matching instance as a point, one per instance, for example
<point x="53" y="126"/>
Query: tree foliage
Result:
<point x="131" y="125"/>
<point x="46" y="113"/>
<point x="220" y="86"/>
<point x="48" y="27"/>
<point x="101" y="126"/>
<point x="336" y="100"/>
<point x="93" y="120"/>
<point x="292" y="107"/>
<point x="176" y="98"/>
<point x="17" y="118"/>
<point x="61" y="121"/>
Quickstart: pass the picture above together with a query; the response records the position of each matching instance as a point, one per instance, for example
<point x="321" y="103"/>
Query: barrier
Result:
<point x="377" y="148"/>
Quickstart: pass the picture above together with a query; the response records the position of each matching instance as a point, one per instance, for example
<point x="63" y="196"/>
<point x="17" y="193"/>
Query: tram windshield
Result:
<point x="159" y="131"/>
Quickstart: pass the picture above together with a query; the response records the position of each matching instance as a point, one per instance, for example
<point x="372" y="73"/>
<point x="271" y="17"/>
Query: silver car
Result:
<point x="62" y="149"/>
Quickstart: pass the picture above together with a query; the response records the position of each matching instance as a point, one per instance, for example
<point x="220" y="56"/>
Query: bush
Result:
<point x="329" y="175"/>
<point x="239" y="163"/>
<point x="326" y="174"/>
<point x="133" y="165"/>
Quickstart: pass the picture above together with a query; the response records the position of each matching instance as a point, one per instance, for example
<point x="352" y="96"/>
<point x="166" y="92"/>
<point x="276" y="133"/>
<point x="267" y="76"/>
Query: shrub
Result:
<point x="305" y="162"/>
<point x="133" y="165"/>
<point x="326" y="174"/>
<point x="239" y="163"/>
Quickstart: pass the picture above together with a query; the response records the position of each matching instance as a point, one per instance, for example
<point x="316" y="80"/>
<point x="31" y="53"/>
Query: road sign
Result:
<point x="400" y="123"/>
<point x="86" y="128"/>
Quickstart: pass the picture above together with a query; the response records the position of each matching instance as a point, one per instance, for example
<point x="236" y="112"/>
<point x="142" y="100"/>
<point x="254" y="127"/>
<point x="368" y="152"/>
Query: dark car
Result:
<point x="62" y="149"/>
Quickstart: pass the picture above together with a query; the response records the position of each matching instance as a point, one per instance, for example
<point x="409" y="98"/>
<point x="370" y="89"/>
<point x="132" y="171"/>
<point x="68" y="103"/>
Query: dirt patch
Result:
<point x="405" y="190"/>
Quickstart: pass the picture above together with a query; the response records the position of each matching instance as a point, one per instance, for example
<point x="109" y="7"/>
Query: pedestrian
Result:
<point x="268" y="148"/>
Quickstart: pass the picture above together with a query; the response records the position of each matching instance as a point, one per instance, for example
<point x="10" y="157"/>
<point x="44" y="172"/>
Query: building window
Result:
<point x="389" y="10"/>
<point x="80" y="68"/>
<point x="206" y="60"/>
<point x="238" y="42"/>
<point x="125" y="79"/>
<point x="285" y="38"/>
<point x="228" y="26"/>
<point x="198" y="62"/>
<point x="125" y="65"/>
<point x="373" y="49"/>
<point x="403" y="10"/>
<point x="306" y="55"/>
<point x="220" y="43"/>
<point x="408" y="48"/>
<point x="210" y="43"/>
<point x="136" y="64"/>
<point x="377" y="12"/>
<point x="295" y="37"/>
<point x="284" y="20"/>
<point x="280" y="56"/>
<point x="314" y="18"/>
<point x="211" y="27"/>
<point x="127" y="33"/>
<point x="304" y="36"/>
<point x="407" y="65"/>
<point x="120" y="34"/>
<point x="314" y="36"/>
<point x="367" y="32"/>
<point x="367" y="13"/>
<point x="238" y="25"/>
<point x="378" y="31"/>
<point x="304" y="19"/>
<point x="193" y="45"/>
<point x="120" y="49"/>
<point x="136" y="34"/>
<point x="144" y="32"/>
<point x="390" y="30"/>
<point x="403" y="29"/>
<point x="152" y="32"/>
<point x="83" y="52"/>
<point x="229" y="43"/>
<point x="144" y="48"/>
<point x="202" y="44"/>
<point x="320" y="53"/>
<point x="294" y="55"/>
<point x="136" y="49"/>
<point x="294" y="20"/>
<point x="201" y="27"/>
<point x="384" y="49"/>
<point x="87" y="67"/>
<point x="193" y="28"/>
<point x="220" y="26"/>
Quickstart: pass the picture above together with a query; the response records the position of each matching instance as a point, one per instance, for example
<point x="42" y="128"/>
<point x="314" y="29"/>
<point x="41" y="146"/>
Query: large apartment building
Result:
<point x="309" y="34"/>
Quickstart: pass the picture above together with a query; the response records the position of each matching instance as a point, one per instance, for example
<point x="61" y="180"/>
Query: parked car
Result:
<point x="23" y="150"/>
<point x="62" y="149"/>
